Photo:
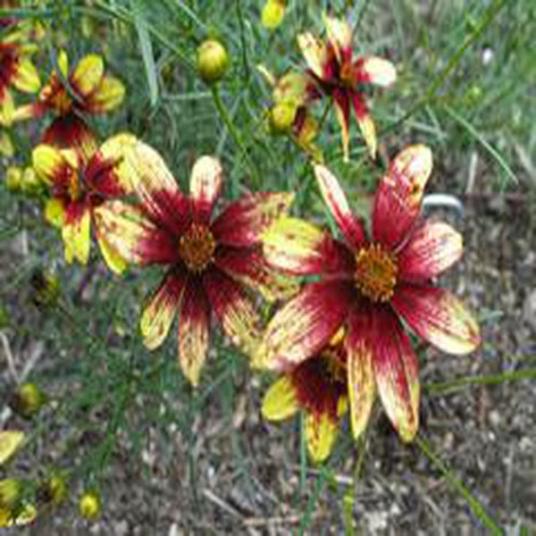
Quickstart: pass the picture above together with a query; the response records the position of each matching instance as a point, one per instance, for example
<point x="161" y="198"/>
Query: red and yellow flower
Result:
<point x="316" y="386"/>
<point x="78" y="186"/>
<point x="341" y="76"/>
<point x="16" y="71"/>
<point x="369" y="286"/>
<point x="70" y="94"/>
<point x="209" y="260"/>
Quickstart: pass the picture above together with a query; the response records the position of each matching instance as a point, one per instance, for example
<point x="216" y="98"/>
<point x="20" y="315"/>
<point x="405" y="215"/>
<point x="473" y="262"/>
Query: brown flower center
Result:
<point x="346" y="74"/>
<point x="376" y="273"/>
<point x="196" y="247"/>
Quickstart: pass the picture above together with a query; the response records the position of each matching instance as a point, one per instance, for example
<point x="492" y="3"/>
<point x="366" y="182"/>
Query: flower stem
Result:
<point x="226" y="118"/>
<point x="489" y="379"/>
<point x="459" y="486"/>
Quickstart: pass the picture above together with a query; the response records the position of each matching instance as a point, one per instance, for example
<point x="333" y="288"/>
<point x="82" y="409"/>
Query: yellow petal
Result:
<point x="368" y="130"/>
<point x="113" y="259"/>
<point x="88" y="74"/>
<point x="63" y="63"/>
<point x="55" y="212"/>
<point x="339" y="34"/>
<point x="160" y="310"/>
<point x="52" y="164"/>
<point x="320" y="433"/>
<point x="76" y="235"/>
<point x="193" y="333"/>
<point x="6" y="145"/>
<point x="314" y="52"/>
<point x="379" y="71"/>
<point x="280" y="400"/>
<point x="7" y="108"/>
<point x="296" y="246"/>
<point x="361" y="382"/>
<point x="205" y="185"/>
<point x="26" y="77"/>
<point x="108" y="95"/>
<point x="114" y="151"/>
<point x="10" y="441"/>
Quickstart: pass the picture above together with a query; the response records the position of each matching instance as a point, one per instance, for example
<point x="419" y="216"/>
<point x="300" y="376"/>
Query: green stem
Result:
<point x="440" y="79"/>
<point x="484" y="379"/>
<point x="475" y="505"/>
<point x="226" y="118"/>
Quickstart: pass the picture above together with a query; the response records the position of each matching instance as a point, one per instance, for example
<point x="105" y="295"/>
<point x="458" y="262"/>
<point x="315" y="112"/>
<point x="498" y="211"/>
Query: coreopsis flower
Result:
<point x="318" y="387"/>
<point x="341" y="76"/>
<point x="209" y="260"/>
<point x="78" y="185"/>
<point x="16" y="71"/>
<point x="72" y="94"/>
<point x="372" y="286"/>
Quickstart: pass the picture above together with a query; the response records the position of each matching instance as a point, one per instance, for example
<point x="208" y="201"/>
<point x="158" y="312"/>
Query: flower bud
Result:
<point x="27" y="400"/>
<point x="13" y="178"/>
<point x="212" y="61"/>
<point x="54" y="489"/>
<point x="273" y="13"/>
<point x="282" y="117"/>
<point x="46" y="288"/>
<point x="10" y="491"/>
<point x="90" y="505"/>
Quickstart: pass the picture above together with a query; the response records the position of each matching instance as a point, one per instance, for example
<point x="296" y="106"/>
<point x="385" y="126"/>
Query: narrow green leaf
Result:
<point x="146" y="48"/>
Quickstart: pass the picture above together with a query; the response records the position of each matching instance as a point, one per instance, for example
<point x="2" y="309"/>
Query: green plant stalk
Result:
<point x="226" y="118"/>
<point x="440" y="388"/>
<point x="440" y="79"/>
<point x="475" y="505"/>
<point x="472" y="130"/>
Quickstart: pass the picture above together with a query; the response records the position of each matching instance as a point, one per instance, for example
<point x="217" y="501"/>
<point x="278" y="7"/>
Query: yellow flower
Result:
<point x="10" y="441"/>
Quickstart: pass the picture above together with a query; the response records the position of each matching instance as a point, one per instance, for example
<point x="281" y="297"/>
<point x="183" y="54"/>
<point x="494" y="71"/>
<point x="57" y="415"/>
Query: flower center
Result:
<point x="196" y="247"/>
<point x="346" y="74"/>
<point x="376" y="272"/>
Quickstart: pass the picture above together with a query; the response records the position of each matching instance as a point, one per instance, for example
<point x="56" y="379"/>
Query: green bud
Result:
<point x="54" y="489"/>
<point x="89" y="505"/>
<point x="282" y="117"/>
<point x="46" y="288"/>
<point x="10" y="492"/>
<point x="212" y="61"/>
<point x="28" y="400"/>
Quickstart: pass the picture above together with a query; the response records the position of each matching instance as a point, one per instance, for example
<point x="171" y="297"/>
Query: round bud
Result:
<point x="10" y="491"/>
<point x="46" y="288"/>
<point x="212" y="61"/>
<point x="273" y="13"/>
<point x="54" y="489"/>
<point x="90" y="505"/>
<point x="13" y="178"/>
<point x="282" y="117"/>
<point x="27" y="400"/>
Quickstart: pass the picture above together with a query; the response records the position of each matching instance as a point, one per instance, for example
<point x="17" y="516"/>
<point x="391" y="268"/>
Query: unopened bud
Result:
<point x="212" y="61"/>
<point x="10" y="491"/>
<point x="54" y="489"/>
<point x="90" y="505"/>
<point x="282" y="117"/>
<point x="273" y="13"/>
<point x="13" y="178"/>
<point x="28" y="400"/>
<point x="46" y="288"/>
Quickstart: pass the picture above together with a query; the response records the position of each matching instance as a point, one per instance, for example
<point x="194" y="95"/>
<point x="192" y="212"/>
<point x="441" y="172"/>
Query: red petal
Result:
<point x="234" y="309"/>
<point x="243" y="221"/>
<point x="194" y="330"/>
<point x="249" y="266"/>
<point x="160" y="309"/>
<point x="361" y="381"/>
<point x="397" y="373"/>
<point x="71" y="132"/>
<point x="432" y="248"/>
<point x="398" y="198"/>
<point x="157" y="189"/>
<point x="438" y="317"/>
<point x="335" y="198"/>
<point x="305" y="324"/>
